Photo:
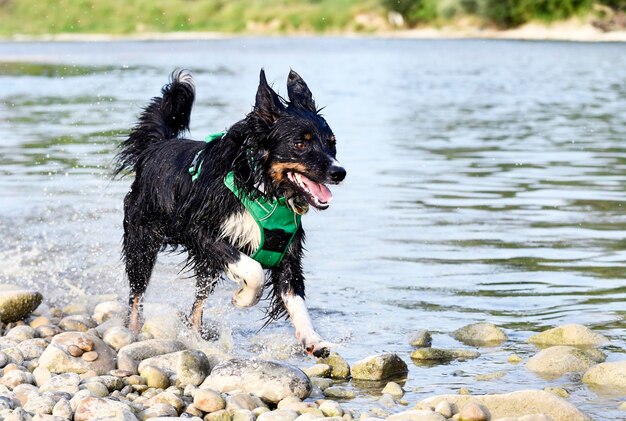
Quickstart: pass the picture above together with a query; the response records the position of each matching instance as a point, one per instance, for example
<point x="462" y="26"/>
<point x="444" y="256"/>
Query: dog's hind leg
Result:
<point x="140" y="249"/>
<point x="204" y="286"/>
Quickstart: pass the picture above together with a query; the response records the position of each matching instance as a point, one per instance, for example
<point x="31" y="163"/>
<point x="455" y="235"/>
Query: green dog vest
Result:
<point x="277" y="222"/>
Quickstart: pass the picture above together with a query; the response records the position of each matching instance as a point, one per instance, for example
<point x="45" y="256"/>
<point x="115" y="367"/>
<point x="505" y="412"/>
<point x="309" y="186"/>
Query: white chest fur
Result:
<point x="242" y="231"/>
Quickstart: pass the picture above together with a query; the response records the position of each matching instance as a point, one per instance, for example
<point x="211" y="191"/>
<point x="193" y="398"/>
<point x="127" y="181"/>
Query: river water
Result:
<point x="485" y="183"/>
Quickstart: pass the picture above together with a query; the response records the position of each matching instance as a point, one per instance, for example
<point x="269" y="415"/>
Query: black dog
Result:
<point x="233" y="203"/>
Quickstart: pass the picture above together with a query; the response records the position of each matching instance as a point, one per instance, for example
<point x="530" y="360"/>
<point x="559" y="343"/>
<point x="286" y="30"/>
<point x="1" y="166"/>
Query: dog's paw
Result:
<point x="314" y="345"/>
<point x="246" y="297"/>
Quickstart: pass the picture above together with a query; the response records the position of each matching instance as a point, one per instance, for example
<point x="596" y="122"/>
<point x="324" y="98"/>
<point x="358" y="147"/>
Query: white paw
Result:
<point x="247" y="297"/>
<point x="314" y="345"/>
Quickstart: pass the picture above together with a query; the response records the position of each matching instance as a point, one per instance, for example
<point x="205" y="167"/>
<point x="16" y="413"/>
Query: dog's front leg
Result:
<point x="299" y="314"/>
<point x="249" y="274"/>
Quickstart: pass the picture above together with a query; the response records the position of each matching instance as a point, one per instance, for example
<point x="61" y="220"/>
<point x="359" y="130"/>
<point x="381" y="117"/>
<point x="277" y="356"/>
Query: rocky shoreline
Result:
<point x="81" y="363"/>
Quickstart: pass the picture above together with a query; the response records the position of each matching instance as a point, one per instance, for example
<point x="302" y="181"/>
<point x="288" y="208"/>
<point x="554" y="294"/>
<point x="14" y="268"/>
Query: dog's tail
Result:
<point x="165" y="118"/>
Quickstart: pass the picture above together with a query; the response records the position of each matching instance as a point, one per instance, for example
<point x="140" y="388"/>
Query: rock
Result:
<point x="420" y="338"/>
<point x="77" y="323"/>
<point x="39" y="404"/>
<point x="168" y="398"/>
<point x="517" y="404"/>
<point x="245" y="401"/>
<point x="32" y="348"/>
<point x="394" y="389"/>
<point x="480" y="334"/>
<point x="330" y="408"/>
<point x="208" y="401"/>
<point x="271" y="381"/>
<point x="14" y="355"/>
<point x="17" y="303"/>
<point x="21" y="333"/>
<point x="57" y="359"/>
<point x="572" y="334"/>
<point x="94" y="408"/>
<point x="444" y="409"/>
<point x="622" y="406"/>
<point x="340" y="369"/>
<point x="85" y="344"/>
<point x="339" y="392"/>
<point x="438" y="354"/>
<point x="14" y="378"/>
<point x="109" y="309"/>
<point x="490" y="376"/>
<point x="472" y="412"/>
<point x="62" y="409"/>
<point x="111" y="382"/>
<point x="514" y="359"/>
<point x="318" y="370"/>
<point x="41" y="375"/>
<point x="189" y="366"/>
<point x="39" y="321"/>
<point x="66" y="382"/>
<point x="611" y="375"/>
<point x="163" y="326"/>
<point x="278" y="415"/>
<point x="158" y="410"/>
<point x="129" y="357"/>
<point x="558" y="360"/>
<point x="416" y="415"/>
<point x="154" y="377"/>
<point x="97" y="389"/>
<point x="559" y="391"/>
<point x="379" y="367"/>
<point x="243" y="415"/>
<point x="222" y="415"/>
<point x="321" y="382"/>
<point x="90" y="356"/>
<point x="118" y="337"/>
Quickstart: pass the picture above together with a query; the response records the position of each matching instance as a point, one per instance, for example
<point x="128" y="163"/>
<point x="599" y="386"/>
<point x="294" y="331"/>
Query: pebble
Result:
<point x="84" y="343"/>
<point x="444" y="409"/>
<point x="472" y="412"/>
<point x="420" y="338"/>
<point x="155" y="377"/>
<point x="559" y="391"/>
<point x="62" y="409"/>
<point x="571" y="334"/>
<point x="90" y="356"/>
<point x="75" y="351"/>
<point x="340" y="369"/>
<point x="158" y="410"/>
<point x="480" y="334"/>
<point x="394" y="389"/>
<point x="21" y="333"/>
<point x="514" y="359"/>
<point x="39" y="321"/>
<point x="222" y="415"/>
<point x="379" y="367"/>
<point x="118" y="337"/>
<point x="318" y="370"/>
<point x="278" y="415"/>
<point x="208" y="401"/>
<point x="339" y="392"/>
<point x="438" y="354"/>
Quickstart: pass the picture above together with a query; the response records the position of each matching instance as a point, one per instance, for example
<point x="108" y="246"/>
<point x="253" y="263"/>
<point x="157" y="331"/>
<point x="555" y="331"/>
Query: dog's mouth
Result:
<point x="316" y="194"/>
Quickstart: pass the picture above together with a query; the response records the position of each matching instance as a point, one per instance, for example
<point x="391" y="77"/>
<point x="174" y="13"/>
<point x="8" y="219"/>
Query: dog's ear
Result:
<point x="299" y="93"/>
<point x="268" y="105"/>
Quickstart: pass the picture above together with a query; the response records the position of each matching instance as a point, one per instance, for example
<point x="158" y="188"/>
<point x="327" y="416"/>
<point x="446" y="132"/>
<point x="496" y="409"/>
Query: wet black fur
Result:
<point x="165" y="208"/>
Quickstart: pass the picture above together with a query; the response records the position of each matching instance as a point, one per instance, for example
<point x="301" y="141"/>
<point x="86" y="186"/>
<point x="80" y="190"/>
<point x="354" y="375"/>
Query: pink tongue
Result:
<point x="320" y="191"/>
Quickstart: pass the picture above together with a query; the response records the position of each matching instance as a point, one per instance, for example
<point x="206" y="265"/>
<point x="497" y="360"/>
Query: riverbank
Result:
<point x="80" y="360"/>
<point x="562" y="31"/>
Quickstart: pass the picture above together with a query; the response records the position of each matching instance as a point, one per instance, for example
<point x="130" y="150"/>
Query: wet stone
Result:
<point x="571" y="334"/>
<point x="379" y="367"/>
<point x="420" y="338"/>
<point x="339" y="392"/>
<point x="480" y="334"/>
<point x="318" y="370"/>
<point x="155" y="377"/>
<point x="208" y="401"/>
<point x="90" y="356"/>
<point x="340" y="369"/>
<point x="17" y="303"/>
<point x="394" y="389"/>
<point x="438" y="354"/>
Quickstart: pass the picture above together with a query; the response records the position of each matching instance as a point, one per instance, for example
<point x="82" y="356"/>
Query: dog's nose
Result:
<point x="337" y="173"/>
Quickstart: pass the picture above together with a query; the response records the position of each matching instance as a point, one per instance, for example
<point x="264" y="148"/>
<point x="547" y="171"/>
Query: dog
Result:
<point x="233" y="203"/>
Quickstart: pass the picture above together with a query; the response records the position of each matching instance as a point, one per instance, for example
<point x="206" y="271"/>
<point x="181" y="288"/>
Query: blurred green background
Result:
<point x="37" y="17"/>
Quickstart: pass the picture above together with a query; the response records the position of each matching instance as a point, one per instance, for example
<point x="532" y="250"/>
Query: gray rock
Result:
<point x="17" y="303"/>
<point x="39" y="404"/>
<point x="93" y="408"/>
<point x="558" y="360"/>
<point x="416" y="415"/>
<point x="14" y="355"/>
<point x="21" y="333"/>
<point x="66" y="382"/>
<point x="243" y="415"/>
<point x="612" y="375"/>
<point x="339" y="392"/>
<point x="118" y="337"/>
<point x="167" y="398"/>
<point x="394" y="389"/>
<point x="330" y="408"/>
<point x="245" y="401"/>
<point x="19" y="414"/>
<point x="270" y="380"/>
<point x="163" y="326"/>
<point x="158" y="410"/>
<point x="420" y="338"/>
<point x="438" y="354"/>
<point x="97" y="389"/>
<point x="480" y="334"/>
<point x="129" y="357"/>
<point x="517" y="404"/>
<point x="189" y="366"/>
<point x="14" y="378"/>
<point x="340" y="369"/>
<point x="379" y="367"/>
<point x="32" y="348"/>
<point x="278" y="415"/>
<point x="572" y="334"/>
<point x="471" y="411"/>
<point x="57" y="359"/>
<point x="444" y="409"/>
<point x="108" y="310"/>
<point x="62" y="409"/>
<point x="77" y="323"/>
<point x="222" y="415"/>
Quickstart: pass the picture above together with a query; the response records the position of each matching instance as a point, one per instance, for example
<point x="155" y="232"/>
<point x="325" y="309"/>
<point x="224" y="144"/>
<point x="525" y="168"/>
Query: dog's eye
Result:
<point x="300" y="145"/>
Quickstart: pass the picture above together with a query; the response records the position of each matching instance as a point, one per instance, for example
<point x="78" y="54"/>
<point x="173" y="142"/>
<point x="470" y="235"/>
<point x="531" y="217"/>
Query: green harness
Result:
<point x="277" y="222"/>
